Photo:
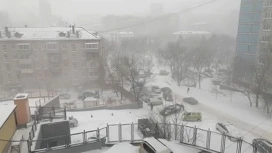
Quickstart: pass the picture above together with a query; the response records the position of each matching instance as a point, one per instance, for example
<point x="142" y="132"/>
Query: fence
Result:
<point x="50" y="113"/>
<point x="115" y="133"/>
<point x="203" y="139"/>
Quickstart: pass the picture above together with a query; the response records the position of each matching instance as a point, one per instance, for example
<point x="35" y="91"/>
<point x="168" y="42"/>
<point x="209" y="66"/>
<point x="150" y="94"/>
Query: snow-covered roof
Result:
<point x="20" y="96"/>
<point x="156" y="144"/>
<point x="5" y="111"/>
<point x="48" y="33"/>
<point x="192" y="33"/>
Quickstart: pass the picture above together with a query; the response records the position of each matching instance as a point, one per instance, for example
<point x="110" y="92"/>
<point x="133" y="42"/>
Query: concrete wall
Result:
<point x="53" y="102"/>
<point x="7" y="131"/>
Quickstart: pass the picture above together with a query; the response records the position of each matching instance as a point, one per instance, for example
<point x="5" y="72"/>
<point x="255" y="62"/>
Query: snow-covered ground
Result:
<point x="228" y="106"/>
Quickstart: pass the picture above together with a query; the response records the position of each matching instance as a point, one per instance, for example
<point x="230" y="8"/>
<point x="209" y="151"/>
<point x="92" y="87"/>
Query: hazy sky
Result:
<point x="70" y="9"/>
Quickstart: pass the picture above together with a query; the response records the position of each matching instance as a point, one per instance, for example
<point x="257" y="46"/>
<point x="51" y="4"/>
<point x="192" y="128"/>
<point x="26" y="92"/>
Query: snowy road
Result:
<point x="252" y="123"/>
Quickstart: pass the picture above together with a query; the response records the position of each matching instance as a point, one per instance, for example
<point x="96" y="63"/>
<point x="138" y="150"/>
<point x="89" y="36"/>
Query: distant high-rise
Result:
<point x="253" y="33"/>
<point x="45" y="13"/>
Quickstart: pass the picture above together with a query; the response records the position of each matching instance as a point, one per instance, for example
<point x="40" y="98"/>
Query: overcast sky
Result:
<point x="69" y="10"/>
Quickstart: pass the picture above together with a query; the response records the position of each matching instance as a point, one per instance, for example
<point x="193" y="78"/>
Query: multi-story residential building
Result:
<point x="252" y="32"/>
<point x="49" y="57"/>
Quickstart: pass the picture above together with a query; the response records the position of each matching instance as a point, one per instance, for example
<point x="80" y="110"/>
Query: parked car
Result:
<point x="164" y="72"/>
<point x="172" y="109"/>
<point x="192" y="116"/>
<point x="152" y="145"/>
<point x="190" y="100"/>
<point x="166" y="90"/>
<point x="73" y="122"/>
<point x="155" y="101"/>
<point x="156" y="89"/>
<point x="229" y="130"/>
<point x="64" y="96"/>
<point x="207" y="75"/>
<point x="262" y="145"/>
<point x="85" y="94"/>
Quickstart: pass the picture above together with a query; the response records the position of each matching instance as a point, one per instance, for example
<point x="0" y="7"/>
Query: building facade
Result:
<point x="250" y="36"/>
<point x="49" y="57"/>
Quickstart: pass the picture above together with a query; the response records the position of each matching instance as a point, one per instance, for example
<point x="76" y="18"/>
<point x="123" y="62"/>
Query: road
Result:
<point x="252" y="129"/>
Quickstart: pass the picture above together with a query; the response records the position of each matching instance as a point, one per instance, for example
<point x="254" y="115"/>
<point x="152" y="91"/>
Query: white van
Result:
<point x="153" y="145"/>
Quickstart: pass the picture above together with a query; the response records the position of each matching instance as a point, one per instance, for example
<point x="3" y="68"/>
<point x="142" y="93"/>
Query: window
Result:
<point x="9" y="77"/>
<point x="23" y="46"/>
<point x="266" y="27"/>
<point x="64" y="46"/>
<point x="8" y="67"/>
<point x="267" y="15"/>
<point x="6" y="57"/>
<point x="24" y="55"/>
<point x="93" y="64"/>
<point x="244" y="28"/>
<point x="51" y="46"/>
<point x="243" y="38"/>
<point x="242" y="48"/>
<point x="247" y="8"/>
<point x="245" y="17"/>
<point x="73" y="47"/>
<point x="74" y="65"/>
<point x="35" y="46"/>
<point x="13" y="46"/>
<point x="258" y="6"/>
<point x="268" y="3"/>
<point x="255" y="28"/>
<point x="265" y="38"/>
<point x="93" y="74"/>
<point x="26" y="66"/>
<point x="82" y="46"/>
<point x="256" y="17"/>
<point x="4" y="47"/>
<point x="73" y="56"/>
<point x="148" y="149"/>
<point x="252" y="49"/>
<point x="91" y="45"/>
<point x="254" y="39"/>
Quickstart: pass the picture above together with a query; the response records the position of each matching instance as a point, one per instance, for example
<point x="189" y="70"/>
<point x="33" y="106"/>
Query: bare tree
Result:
<point x="138" y="73"/>
<point x="116" y="72"/>
<point x="200" y="59"/>
<point x="175" y="57"/>
<point x="260" y="72"/>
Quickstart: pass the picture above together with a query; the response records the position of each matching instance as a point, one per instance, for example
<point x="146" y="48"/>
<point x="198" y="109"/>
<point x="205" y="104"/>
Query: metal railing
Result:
<point x="115" y="133"/>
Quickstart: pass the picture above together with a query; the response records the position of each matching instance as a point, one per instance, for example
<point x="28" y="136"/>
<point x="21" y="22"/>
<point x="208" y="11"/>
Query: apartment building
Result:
<point x="52" y="57"/>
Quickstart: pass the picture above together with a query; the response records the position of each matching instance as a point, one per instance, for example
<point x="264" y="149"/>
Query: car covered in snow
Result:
<point x="155" y="101"/>
<point x="73" y="122"/>
<point x="172" y="109"/>
<point x="262" y="145"/>
<point x="192" y="116"/>
<point x="190" y="100"/>
<point x="152" y="145"/>
<point x="156" y="89"/>
<point x="229" y="130"/>
<point x="64" y="96"/>
<point x="164" y="72"/>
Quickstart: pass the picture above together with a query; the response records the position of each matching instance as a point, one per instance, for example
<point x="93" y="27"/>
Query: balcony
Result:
<point x="25" y="61"/>
<point x="91" y="50"/>
<point x="27" y="71"/>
